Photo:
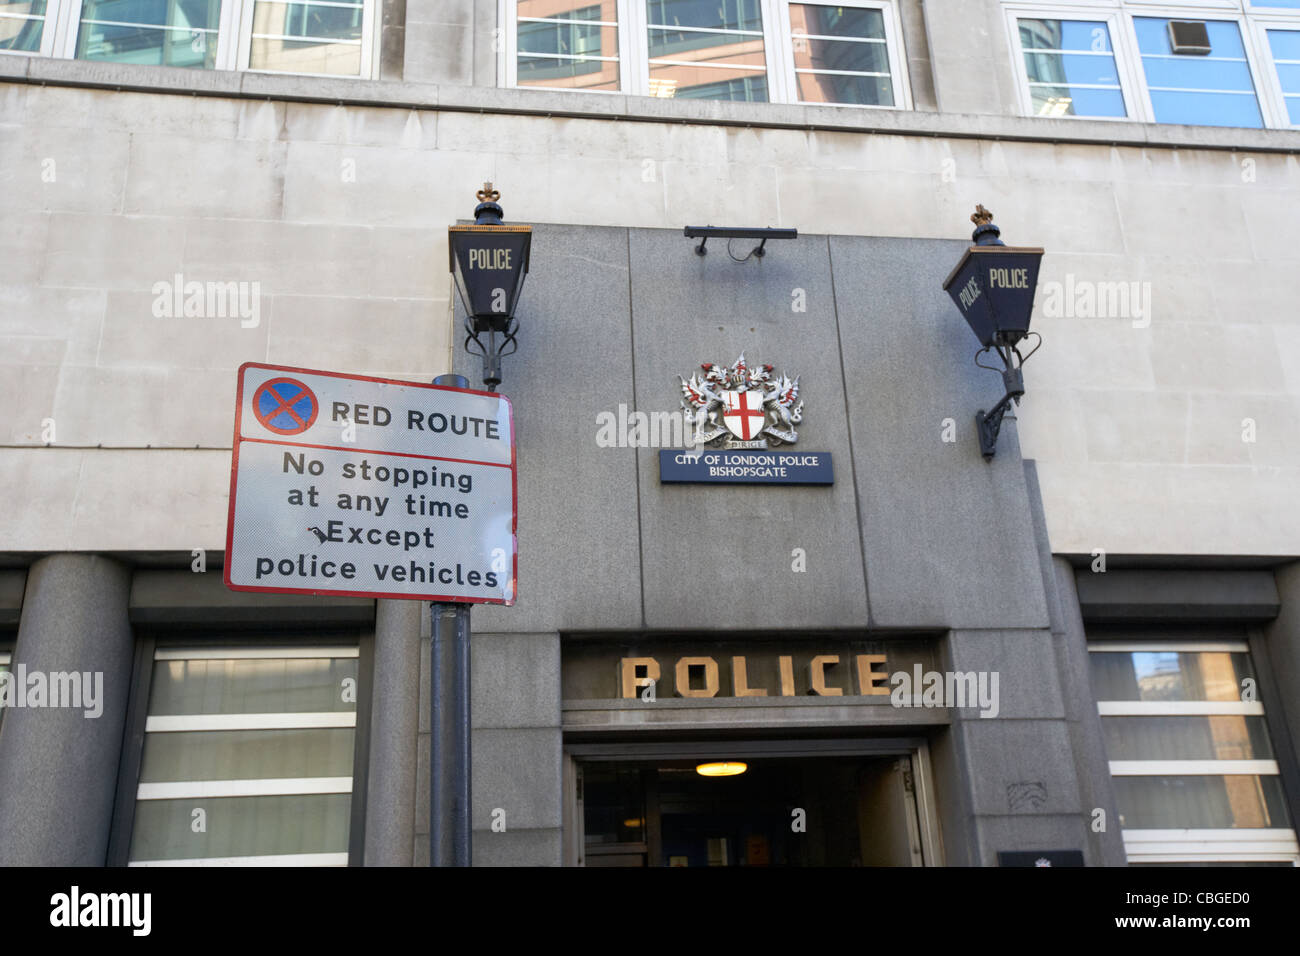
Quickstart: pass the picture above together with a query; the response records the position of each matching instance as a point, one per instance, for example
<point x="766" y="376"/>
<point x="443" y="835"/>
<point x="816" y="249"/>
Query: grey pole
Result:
<point x="438" y="782"/>
<point x="449" y="731"/>
<point x="464" y="851"/>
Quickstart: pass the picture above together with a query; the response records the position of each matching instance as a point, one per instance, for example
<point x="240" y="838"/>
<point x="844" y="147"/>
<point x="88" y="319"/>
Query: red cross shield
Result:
<point x="744" y="415"/>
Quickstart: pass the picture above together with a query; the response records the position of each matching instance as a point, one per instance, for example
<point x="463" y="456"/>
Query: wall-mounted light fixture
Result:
<point x="705" y="233"/>
<point x="489" y="261"/>
<point x="993" y="286"/>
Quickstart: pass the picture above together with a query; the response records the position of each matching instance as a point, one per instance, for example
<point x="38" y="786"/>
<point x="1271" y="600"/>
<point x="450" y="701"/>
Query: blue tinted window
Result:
<point x="1212" y="90"/>
<point x="1071" y="68"/>
<point x="1285" y="45"/>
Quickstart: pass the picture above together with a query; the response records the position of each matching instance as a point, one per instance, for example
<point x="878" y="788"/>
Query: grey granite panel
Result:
<point x="948" y="536"/>
<point x="1025" y="662"/>
<point x="516" y="680"/>
<point x="1084" y="723"/>
<point x="519" y="848"/>
<point x="578" y="556"/>
<point x="518" y="773"/>
<point x="1019" y="766"/>
<point x="690" y="309"/>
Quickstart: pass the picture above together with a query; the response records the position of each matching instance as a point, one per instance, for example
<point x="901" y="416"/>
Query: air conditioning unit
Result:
<point x="1189" y="37"/>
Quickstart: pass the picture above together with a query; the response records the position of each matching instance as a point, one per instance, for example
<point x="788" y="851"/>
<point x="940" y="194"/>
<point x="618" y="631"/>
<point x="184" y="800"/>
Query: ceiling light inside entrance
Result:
<point x="725" y="768"/>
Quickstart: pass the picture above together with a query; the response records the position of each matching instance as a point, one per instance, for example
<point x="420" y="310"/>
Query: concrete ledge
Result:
<point x="1118" y="597"/>
<point x="183" y="597"/>
<point x="485" y="99"/>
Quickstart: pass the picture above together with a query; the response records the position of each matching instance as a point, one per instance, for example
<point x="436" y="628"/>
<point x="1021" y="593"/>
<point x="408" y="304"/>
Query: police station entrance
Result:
<point x="755" y="803"/>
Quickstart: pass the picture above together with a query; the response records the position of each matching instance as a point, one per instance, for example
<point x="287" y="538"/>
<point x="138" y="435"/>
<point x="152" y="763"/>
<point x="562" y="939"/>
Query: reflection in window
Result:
<point x="155" y="32"/>
<point x="1201" y="802"/>
<point x="1071" y="68"/>
<point x="840" y="55"/>
<point x="1189" y="749"/>
<point x="262" y="742"/>
<point x="1285" y="45"/>
<point x="707" y="49"/>
<point x="1190" y="737"/>
<point x="314" y="36"/>
<point x="21" y="25"/>
<point x="1211" y="90"/>
<point x="1170" y="675"/>
<point x="567" y="46"/>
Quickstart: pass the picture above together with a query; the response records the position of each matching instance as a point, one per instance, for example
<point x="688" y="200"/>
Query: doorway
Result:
<point x="751" y="809"/>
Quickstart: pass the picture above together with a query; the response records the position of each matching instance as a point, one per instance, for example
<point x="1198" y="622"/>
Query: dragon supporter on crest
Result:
<point x="741" y="407"/>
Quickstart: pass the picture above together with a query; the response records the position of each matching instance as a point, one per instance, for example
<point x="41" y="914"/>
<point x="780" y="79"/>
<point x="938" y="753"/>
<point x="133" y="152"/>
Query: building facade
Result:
<point x="1084" y="649"/>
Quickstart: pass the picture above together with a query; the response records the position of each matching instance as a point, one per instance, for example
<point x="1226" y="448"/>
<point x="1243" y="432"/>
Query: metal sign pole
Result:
<point x="450" y="787"/>
<point x="438" y="802"/>
<point x="461" y="810"/>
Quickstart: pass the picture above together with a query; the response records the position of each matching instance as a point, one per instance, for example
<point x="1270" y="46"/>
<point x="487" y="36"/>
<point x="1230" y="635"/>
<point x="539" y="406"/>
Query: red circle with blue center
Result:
<point x="285" y="406"/>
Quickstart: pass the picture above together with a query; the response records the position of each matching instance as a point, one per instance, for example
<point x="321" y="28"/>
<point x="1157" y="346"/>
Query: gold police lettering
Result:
<point x="1005" y="278"/>
<point x="489" y="258"/>
<point x="969" y="293"/>
<point x="698" y="676"/>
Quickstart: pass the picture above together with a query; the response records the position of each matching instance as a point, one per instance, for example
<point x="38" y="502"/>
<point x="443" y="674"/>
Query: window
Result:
<point x="310" y="36"/>
<point x="567" y="46"/>
<point x="1213" y="89"/>
<point x="707" y="49"/>
<point x="841" y="55"/>
<point x="314" y="37"/>
<point x="157" y="32"/>
<point x="1069" y="66"/>
<point x="1284" y="48"/>
<point x="1224" y="63"/>
<point x="1190" y="755"/>
<point x="248" y="757"/>
<point x="758" y="51"/>
<point x="22" y="27"/>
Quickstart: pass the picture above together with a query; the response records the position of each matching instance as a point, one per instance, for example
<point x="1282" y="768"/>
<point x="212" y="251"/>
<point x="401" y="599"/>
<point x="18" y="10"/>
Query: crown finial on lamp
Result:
<point x="986" y="233"/>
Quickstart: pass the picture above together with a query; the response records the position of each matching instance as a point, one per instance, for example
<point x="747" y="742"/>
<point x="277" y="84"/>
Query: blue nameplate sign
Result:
<point x="744" y="466"/>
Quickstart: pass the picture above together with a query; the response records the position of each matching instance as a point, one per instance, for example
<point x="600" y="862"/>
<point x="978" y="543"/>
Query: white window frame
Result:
<point x="369" y="38"/>
<point x="508" y="50"/>
<point x="1210" y="845"/>
<point x="1251" y="20"/>
<point x="1260" y="27"/>
<point x="47" y="32"/>
<point x="634" y="59"/>
<point x="893" y="49"/>
<point x="257" y="786"/>
<point x="1111" y="18"/>
<point x="234" y="37"/>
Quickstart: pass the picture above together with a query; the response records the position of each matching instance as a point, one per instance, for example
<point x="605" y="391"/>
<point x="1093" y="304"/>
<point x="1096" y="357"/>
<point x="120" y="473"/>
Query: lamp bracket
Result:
<point x="705" y="233"/>
<point x="493" y="350"/>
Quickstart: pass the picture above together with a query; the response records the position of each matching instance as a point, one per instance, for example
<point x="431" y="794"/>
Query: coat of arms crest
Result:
<point x="741" y="407"/>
